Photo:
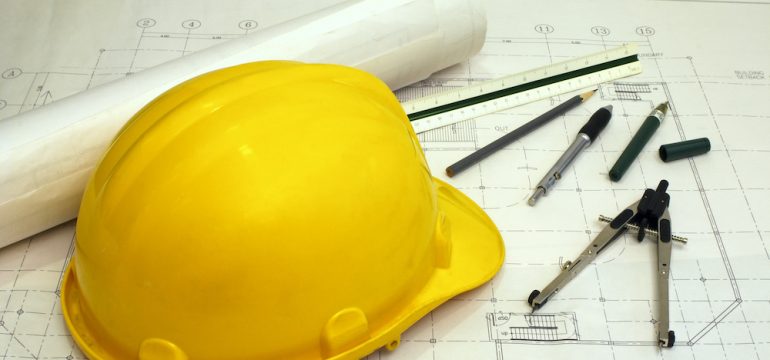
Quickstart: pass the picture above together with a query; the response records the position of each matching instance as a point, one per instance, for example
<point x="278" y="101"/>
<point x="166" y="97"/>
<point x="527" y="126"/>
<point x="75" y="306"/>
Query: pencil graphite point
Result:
<point x="587" y="95"/>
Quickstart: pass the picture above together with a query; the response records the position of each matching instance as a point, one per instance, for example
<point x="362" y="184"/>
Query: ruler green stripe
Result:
<point x="523" y="87"/>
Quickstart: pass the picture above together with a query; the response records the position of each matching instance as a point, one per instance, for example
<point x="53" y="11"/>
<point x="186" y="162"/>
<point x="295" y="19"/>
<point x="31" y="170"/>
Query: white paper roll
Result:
<point x="47" y="154"/>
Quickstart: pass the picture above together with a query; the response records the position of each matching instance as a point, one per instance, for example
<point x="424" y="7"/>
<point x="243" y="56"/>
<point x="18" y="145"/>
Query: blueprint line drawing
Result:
<point x="720" y="284"/>
<point x="512" y="327"/>
<point x="152" y="47"/>
<point x="722" y="306"/>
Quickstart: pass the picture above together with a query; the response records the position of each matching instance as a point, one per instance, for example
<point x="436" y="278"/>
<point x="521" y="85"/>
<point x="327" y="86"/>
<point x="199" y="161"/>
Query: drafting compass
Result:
<point x="649" y="215"/>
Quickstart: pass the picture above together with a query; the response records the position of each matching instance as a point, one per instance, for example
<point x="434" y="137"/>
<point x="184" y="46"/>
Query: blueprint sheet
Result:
<point x="709" y="59"/>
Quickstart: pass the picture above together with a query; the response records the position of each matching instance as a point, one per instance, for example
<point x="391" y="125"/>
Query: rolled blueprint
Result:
<point x="47" y="154"/>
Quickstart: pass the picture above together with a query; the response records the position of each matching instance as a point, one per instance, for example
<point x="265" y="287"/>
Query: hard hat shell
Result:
<point x="271" y="210"/>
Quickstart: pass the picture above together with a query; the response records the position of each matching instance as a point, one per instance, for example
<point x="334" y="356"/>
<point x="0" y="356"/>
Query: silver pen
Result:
<point x="585" y="137"/>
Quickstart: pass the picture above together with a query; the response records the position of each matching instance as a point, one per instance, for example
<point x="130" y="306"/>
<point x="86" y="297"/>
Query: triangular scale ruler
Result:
<point x="456" y="105"/>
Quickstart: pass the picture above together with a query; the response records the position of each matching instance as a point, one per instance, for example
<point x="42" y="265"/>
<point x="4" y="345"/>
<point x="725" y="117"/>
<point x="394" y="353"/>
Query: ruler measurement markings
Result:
<point x="620" y="64"/>
<point x="419" y="108"/>
<point x="451" y="117"/>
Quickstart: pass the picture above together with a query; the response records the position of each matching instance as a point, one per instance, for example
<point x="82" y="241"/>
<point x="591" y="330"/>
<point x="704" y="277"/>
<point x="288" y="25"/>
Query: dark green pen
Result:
<point x="637" y="143"/>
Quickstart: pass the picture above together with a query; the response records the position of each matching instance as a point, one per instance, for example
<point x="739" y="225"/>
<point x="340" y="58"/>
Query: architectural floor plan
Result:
<point x="709" y="59"/>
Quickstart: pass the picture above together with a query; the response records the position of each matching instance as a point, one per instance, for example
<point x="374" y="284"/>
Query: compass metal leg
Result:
<point x="665" y="336"/>
<point x="641" y="216"/>
<point x="571" y="269"/>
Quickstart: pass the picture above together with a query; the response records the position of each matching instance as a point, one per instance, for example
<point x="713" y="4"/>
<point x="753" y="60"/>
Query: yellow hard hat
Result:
<point x="272" y="210"/>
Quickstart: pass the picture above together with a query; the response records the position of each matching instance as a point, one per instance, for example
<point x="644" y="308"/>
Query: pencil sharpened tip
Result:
<point x="587" y="95"/>
<point x="608" y="108"/>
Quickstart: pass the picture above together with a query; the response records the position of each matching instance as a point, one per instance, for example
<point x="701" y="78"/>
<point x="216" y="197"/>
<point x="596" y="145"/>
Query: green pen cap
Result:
<point x="684" y="149"/>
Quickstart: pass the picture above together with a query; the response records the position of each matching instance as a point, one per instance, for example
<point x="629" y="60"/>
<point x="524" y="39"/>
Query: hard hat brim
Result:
<point x="477" y="253"/>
